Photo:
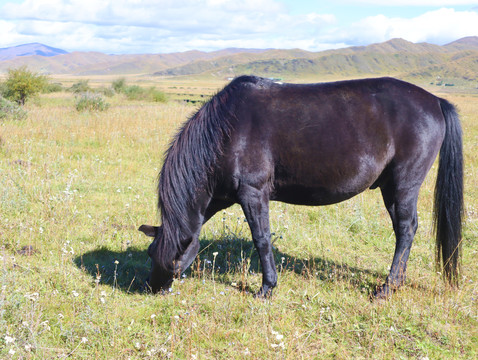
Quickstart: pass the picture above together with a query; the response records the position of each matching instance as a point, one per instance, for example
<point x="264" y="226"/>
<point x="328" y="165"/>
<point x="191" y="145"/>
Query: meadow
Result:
<point x="74" y="188"/>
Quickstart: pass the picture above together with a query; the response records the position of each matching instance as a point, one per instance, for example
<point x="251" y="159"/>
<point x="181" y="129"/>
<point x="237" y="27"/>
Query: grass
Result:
<point x="74" y="189"/>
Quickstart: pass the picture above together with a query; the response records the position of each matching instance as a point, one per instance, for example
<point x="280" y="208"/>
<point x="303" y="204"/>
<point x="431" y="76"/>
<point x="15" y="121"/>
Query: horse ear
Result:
<point x="149" y="230"/>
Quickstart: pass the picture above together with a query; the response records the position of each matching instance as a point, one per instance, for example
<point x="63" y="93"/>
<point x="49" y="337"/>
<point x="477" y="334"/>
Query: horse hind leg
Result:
<point x="402" y="207"/>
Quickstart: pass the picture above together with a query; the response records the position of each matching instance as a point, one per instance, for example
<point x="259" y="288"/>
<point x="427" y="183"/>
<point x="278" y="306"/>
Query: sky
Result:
<point x="166" y="26"/>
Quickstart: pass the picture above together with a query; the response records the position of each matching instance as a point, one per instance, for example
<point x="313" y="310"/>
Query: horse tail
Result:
<point x="448" y="207"/>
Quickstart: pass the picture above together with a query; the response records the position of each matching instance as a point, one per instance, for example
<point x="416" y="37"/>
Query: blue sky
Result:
<point x="165" y="26"/>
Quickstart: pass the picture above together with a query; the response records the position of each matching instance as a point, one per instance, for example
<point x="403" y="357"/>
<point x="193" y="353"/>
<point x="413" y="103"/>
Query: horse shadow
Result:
<point x="127" y="270"/>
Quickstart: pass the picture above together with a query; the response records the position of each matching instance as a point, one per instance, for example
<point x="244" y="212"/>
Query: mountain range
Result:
<point x="454" y="62"/>
<point x="29" y="50"/>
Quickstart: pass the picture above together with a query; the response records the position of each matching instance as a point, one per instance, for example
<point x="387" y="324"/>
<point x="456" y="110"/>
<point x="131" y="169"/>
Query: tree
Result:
<point x="21" y="84"/>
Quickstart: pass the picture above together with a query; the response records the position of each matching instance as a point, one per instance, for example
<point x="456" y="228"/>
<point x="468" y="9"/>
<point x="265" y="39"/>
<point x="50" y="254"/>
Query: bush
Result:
<point x="22" y="84"/>
<point x="108" y="92"/>
<point x="3" y="89"/>
<point x="119" y="85"/>
<point x="91" y="102"/>
<point x="158" y="96"/>
<point x="135" y="92"/>
<point x="80" y="87"/>
<point x="52" y="87"/>
<point x="11" y="110"/>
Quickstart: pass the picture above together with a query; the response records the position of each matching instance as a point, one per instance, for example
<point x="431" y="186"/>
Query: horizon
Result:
<point x="162" y="27"/>
<point x="219" y="50"/>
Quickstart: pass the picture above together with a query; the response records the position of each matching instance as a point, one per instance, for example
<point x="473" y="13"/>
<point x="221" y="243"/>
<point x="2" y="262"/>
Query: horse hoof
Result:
<point x="261" y="294"/>
<point x="382" y="293"/>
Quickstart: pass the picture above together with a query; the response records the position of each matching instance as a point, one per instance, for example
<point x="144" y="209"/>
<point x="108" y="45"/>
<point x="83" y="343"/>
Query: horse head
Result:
<point x="160" y="278"/>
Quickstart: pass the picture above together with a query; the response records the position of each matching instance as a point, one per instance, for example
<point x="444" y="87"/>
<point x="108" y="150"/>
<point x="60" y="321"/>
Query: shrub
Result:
<point x="119" y="85"/>
<point x="135" y="92"/>
<point x="80" y="87"/>
<point x="11" y="110"/>
<point x="52" y="87"/>
<point x="91" y="102"/>
<point x="22" y="84"/>
<point x="3" y="89"/>
<point x="108" y="92"/>
<point x="158" y="96"/>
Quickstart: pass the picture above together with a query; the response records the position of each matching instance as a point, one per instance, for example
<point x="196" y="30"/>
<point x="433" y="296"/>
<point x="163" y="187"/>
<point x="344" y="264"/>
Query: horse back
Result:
<point x="323" y="143"/>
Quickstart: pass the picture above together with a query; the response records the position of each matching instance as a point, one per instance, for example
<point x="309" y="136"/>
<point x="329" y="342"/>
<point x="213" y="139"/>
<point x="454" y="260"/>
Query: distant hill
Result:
<point x="29" y="50"/>
<point x="456" y="62"/>
<point x="95" y="63"/>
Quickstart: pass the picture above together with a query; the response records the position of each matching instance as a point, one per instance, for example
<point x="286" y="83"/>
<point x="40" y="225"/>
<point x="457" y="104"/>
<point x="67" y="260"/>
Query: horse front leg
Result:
<point x="255" y="204"/>
<point x="402" y="207"/>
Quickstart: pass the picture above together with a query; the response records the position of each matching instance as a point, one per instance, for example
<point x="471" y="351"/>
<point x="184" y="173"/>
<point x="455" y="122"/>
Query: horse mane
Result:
<point x="189" y="165"/>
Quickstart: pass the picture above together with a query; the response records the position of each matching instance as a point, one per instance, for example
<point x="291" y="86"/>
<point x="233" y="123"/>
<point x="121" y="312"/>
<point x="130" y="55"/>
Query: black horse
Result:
<point x="309" y="144"/>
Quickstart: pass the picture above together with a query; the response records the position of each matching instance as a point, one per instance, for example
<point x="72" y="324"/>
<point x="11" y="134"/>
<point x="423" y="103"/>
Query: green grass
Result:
<point x="75" y="187"/>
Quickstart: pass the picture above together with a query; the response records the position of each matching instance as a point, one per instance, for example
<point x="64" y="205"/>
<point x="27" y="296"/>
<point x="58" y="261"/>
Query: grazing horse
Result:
<point x="309" y="144"/>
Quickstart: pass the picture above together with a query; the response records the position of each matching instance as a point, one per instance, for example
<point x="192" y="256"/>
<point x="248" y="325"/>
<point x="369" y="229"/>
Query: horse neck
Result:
<point x="187" y="228"/>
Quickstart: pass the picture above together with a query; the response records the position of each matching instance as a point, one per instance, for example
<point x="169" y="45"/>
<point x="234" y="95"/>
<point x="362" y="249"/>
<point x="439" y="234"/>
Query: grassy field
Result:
<point x="76" y="186"/>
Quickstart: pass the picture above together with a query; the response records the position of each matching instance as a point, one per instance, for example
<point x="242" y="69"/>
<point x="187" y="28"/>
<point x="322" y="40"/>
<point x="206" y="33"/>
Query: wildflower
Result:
<point x="9" y="339"/>
<point x="75" y="294"/>
<point x="84" y="340"/>
<point x="32" y="297"/>
<point x="28" y="347"/>
<point x="153" y="316"/>
<point x="11" y="352"/>
<point x="45" y="325"/>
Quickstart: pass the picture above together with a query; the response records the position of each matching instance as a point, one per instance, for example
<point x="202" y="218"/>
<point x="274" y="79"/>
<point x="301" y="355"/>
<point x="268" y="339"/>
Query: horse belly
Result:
<point x="323" y="180"/>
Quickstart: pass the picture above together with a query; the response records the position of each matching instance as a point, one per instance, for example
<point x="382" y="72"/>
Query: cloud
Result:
<point x="433" y="3"/>
<point x="168" y="25"/>
<point x="438" y="26"/>
<point x="163" y="26"/>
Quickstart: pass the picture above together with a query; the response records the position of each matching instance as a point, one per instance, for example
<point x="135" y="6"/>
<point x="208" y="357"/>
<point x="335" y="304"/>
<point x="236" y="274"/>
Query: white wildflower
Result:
<point x="9" y="339"/>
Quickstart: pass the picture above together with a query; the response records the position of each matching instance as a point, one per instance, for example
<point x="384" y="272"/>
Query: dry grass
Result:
<point x="74" y="188"/>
